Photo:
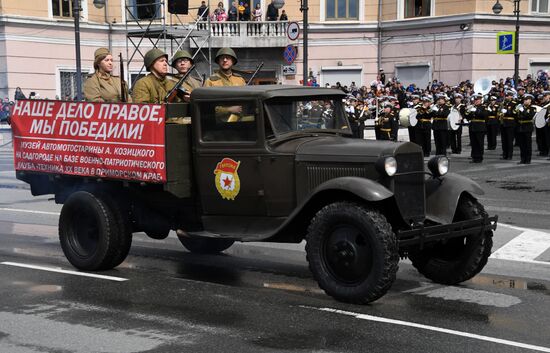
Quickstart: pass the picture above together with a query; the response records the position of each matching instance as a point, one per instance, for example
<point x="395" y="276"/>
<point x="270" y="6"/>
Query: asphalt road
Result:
<point x="262" y="298"/>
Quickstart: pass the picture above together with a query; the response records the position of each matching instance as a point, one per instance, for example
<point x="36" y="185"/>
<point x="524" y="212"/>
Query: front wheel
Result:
<point x="458" y="259"/>
<point x="352" y="252"/>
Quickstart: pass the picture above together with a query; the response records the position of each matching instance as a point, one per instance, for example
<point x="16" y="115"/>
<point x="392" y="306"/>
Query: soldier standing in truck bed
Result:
<point x="226" y="59"/>
<point x="102" y="86"/>
<point x="154" y="87"/>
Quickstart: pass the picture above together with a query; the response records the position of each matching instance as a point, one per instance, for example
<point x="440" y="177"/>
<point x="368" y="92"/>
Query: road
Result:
<point x="262" y="298"/>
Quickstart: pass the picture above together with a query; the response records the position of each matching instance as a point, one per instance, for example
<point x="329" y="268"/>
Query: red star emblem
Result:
<point x="226" y="181"/>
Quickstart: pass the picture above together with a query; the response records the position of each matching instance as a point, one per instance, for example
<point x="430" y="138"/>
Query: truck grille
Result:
<point x="317" y="175"/>
<point x="409" y="189"/>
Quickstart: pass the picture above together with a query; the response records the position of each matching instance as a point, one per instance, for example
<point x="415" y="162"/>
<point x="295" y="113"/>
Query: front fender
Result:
<point x="442" y="195"/>
<point x="366" y="189"/>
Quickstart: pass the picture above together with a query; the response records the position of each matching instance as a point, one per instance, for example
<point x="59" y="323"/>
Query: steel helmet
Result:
<point x="227" y="51"/>
<point x="151" y="56"/>
<point x="181" y="54"/>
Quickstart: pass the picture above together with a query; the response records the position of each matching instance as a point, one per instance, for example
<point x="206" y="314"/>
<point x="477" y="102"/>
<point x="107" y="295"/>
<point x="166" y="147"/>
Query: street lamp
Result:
<point x="304" y="8"/>
<point x="497" y="9"/>
<point x="76" y="16"/>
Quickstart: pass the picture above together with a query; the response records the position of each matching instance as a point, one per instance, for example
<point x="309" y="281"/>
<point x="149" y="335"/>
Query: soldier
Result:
<point x="456" y="135"/>
<point x="525" y="114"/>
<point x="477" y="117"/>
<point x="226" y="59"/>
<point x="102" y="86"/>
<point x="385" y="121"/>
<point x="182" y="62"/>
<point x="423" y="132"/>
<point x="394" y="117"/>
<point x="440" y="125"/>
<point x="507" y="124"/>
<point x="519" y="100"/>
<point x="492" y="124"/>
<point x="413" y="104"/>
<point x="154" y="87"/>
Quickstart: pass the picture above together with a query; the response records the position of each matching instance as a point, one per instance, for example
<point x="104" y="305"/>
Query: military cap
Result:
<point x="510" y="93"/>
<point x="427" y="99"/>
<point x="545" y="93"/>
<point x="528" y="96"/>
<point x="493" y="98"/>
<point x="101" y="52"/>
<point x="415" y="96"/>
<point x="458" y="95"/>
<point x="477" y="96"/>
<point x="181" y="54"/>
<point x="151" y="56"/>
<point x="521" y="87"/>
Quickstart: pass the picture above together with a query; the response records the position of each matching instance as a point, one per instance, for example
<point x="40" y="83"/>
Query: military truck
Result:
<point x="278" y="164"/>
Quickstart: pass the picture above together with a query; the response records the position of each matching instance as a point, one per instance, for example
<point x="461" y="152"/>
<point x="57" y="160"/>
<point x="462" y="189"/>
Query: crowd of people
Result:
<point x="240" y="11"/>
<point x="501" y="108"/>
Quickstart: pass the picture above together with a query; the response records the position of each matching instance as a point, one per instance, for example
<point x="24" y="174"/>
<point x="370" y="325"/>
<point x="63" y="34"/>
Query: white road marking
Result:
<point x="432" y="328"/>
<point x="29" y="211"/>
<point x="59" y="270"/>
<point x="516" y="210"/>
<point x="525" y="247"/>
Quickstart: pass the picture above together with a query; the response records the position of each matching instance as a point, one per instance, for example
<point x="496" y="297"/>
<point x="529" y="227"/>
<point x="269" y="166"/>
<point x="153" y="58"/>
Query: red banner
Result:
<point x="104" y="140"/>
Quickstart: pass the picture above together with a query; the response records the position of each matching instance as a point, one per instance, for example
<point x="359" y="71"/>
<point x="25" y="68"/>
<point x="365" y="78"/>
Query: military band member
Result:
<point x="456" y="135"/>
<point x="507" y="125"/>
<point x="542" y="133"/>
<point x="440" y="125"/>
<point x="394" y="117"/>
<point x="492" y="123"/>
<point x="226" y="59"/>
<point x="423" y="130"/>
<point x="414" y="104"/>
<point x="154" y="87"/>
<point x="182" y="62"/>
<point x="477" y="116"/>
<point x="385" y="121"/>
<point x="519" y="100"/>
<point x="525" y="114"/>
<point x="102" y="86"/>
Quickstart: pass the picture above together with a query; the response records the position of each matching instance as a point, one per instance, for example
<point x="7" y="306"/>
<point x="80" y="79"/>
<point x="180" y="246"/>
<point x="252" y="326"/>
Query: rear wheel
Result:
<point x="457" y="259"/>
<point x="205" y="245"/>
<point x="92" y="233"/>
<point x="352" y="252"/>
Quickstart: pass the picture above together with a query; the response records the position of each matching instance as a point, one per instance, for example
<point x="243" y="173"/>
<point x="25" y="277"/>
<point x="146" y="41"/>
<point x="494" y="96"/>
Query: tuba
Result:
<point x="483" y="86"/>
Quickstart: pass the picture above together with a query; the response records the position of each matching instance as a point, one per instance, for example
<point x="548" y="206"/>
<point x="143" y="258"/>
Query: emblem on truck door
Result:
<point x="227" y="179"/>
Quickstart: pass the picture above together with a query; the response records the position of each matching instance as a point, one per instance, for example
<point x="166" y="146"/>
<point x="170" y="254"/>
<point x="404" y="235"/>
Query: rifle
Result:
<point x="174" y="91"/>
<point x="255" y="73"/>
<point x="123" y="97"/>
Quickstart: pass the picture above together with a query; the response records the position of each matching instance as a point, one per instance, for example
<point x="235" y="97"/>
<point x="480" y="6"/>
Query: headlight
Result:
<point x="387" y="165"/>
<point x="438" y="165"/>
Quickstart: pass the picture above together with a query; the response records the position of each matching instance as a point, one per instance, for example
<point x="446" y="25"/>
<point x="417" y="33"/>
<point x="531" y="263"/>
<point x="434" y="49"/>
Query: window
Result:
<point x="62" y="8"/>
<point x="144" y="9"/>
<point x="229" y="121"/>
<point x="68" y="84"/>
<point x="342" y="9"/>
<point x="417" y="8"/>
<point x="539" y="6"/>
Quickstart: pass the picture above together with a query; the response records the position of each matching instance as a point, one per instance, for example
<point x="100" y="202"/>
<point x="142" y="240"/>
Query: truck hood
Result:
<point x="345" y="149"/>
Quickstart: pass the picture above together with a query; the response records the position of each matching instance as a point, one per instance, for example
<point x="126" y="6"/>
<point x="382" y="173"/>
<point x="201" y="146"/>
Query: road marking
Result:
<point x="29" y="211"/>
<point x="516" y="210"/>
<point x="59" y="270"/>
<point x="431" y="328"/>
<point x="525" y="247"/>
<point x="466" y="295"/>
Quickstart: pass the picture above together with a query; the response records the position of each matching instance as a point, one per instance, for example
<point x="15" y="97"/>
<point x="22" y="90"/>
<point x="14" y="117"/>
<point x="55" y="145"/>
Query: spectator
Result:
<point x="257" y="13"/>
<point x="19" y="94"/>
<point x="283" y="17"/>
<point x="272" y="13"/>
<point x="246" y="13"/>
<point x="233" y="13"/>
<point x="203" y="11"/>
<point x="382" y="77"/>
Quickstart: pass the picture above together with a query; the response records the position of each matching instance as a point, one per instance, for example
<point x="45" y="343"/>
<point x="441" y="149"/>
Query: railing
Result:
<point x="246" y="28"/>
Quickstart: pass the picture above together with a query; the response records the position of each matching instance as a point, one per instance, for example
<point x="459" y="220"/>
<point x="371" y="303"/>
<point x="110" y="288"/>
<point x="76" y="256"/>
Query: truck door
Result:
<point x="228" y="158"/>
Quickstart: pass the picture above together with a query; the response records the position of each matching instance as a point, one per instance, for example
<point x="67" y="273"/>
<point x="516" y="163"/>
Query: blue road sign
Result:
<point x="506" y="42"/>
<point x="290" y="54"/>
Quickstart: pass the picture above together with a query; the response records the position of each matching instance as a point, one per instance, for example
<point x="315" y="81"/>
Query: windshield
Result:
<point x="307" y="113"/>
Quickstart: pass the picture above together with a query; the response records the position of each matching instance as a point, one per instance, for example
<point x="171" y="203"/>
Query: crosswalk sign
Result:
<point x="506" y="42"/>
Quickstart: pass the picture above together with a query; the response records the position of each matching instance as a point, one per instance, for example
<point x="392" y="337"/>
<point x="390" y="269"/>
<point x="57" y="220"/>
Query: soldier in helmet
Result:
<point x="182" y="62"/>
<point x="102" y="86"/>
<point x="154" y="87"/>
<point x="226" y="59"/>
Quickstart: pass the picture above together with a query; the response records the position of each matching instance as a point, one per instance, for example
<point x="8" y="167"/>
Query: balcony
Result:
<point x="247" y="34"/>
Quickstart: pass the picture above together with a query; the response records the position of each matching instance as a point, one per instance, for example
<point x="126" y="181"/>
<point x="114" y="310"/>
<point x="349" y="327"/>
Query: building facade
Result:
<point x="349" y="40"/>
